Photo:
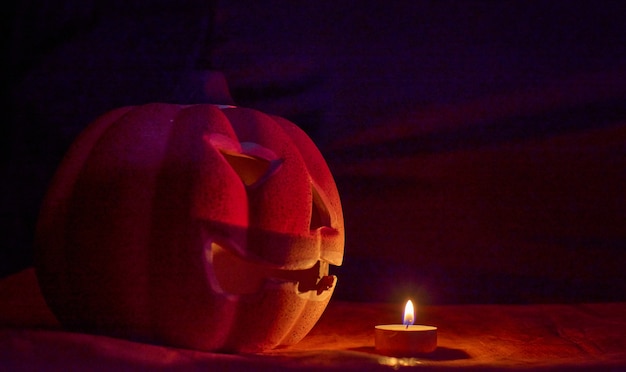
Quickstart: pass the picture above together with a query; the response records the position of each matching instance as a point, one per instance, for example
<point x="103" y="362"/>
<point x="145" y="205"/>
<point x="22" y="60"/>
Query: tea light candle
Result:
<point x="405" y="339"/>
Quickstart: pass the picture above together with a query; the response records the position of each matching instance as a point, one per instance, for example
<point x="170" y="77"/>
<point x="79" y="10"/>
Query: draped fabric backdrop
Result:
<point x="479" y="146"/>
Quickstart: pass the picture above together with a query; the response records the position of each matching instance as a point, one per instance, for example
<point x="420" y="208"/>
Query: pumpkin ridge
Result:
<point x="308" y="316"/>
<point x="178" y="229"/>
<point x="52" y="270"/>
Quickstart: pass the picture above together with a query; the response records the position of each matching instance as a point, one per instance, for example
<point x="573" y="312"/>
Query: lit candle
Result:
<point x="405" y="339"/>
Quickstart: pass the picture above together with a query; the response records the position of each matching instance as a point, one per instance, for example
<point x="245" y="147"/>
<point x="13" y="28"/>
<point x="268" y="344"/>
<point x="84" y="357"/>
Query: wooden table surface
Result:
<point x="474" y="337"/>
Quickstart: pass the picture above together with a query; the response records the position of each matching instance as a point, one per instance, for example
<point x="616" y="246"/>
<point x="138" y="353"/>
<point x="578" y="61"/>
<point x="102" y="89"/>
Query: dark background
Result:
<point x="479" y="146"/>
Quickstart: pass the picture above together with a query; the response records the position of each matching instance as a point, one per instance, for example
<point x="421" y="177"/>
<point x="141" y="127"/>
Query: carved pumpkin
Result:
<point x="199" y="226"/>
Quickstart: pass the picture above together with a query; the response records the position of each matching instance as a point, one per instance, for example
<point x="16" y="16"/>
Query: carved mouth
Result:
<point x="238" y="276"/>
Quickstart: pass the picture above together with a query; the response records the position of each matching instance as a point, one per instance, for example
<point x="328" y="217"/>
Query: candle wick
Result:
<point x="407" y="326"/>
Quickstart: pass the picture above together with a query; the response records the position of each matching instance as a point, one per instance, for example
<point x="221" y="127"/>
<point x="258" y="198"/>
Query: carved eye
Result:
<point x="253" y="165"/>
<point x="254" y="170"/>
<point x="251" y="169"/>
<point x="320" y="217"/>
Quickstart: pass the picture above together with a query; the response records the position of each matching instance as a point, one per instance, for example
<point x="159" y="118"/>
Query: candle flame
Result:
<point x="409" y="314"/>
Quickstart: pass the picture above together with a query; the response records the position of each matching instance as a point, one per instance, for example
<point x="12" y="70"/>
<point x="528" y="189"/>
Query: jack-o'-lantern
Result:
<point x="198" y="226"/>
